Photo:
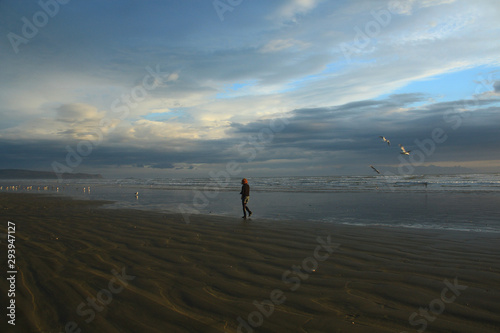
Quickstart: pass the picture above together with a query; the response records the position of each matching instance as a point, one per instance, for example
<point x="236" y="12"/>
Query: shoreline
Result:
<point x="468" y="212"/>
<point x="218" y="274"/>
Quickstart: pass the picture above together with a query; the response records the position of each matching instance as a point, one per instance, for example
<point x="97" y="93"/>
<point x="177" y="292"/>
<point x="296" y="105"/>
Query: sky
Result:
<point x="195" y="88"/>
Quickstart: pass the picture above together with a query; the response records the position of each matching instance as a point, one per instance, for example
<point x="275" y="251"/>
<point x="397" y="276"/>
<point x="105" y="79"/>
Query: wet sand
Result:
<point x="82" y="268"/>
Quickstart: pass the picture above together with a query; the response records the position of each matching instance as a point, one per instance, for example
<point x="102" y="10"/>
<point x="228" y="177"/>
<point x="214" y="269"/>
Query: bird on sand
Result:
<point x="404" y="151"/>
<point x="385" y="140"/>
<point x="371" y="166"/>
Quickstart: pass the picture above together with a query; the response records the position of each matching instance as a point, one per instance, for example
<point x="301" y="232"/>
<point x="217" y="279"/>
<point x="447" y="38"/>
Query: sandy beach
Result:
<point x="83" y="268"/>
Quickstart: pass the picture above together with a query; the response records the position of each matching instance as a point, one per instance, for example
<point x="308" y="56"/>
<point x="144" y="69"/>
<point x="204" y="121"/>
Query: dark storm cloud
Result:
<point x="41" y="155"/>
<point x="469" y="134"/>
<point x="318" y="134"/>
<point x="496" y="86"/>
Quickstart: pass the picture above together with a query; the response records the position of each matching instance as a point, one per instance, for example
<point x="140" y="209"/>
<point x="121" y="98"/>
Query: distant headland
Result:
<point x="31" y="174"/>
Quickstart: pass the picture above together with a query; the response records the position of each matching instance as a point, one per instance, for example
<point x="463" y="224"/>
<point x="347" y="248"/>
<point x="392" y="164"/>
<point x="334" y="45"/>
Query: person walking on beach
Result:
<point x="245" y="196"/>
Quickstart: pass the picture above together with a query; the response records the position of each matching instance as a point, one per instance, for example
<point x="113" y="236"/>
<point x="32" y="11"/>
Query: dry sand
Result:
<point x="82" y="267"/>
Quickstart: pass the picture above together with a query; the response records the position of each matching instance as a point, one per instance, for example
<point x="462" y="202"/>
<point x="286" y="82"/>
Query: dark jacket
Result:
<point x="245" y="191"/>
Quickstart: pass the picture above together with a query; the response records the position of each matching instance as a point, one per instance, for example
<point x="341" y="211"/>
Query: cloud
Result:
<point x="292" y="8"/>
<point x="440" y="28"/>
<point x="148" y="131"/>
<point x="282" y="44"/>
<point x="496" y="87"/>
<point x="406" y="7"/>
<point x="77" y="113"/>
<point x="349" y="132"/>
<point x="66" y="122"/>
<point x="339" y="137"/>
<point x="222" y="81"/>
<point x="75" y="121"/>
<point x="164" y="165"/>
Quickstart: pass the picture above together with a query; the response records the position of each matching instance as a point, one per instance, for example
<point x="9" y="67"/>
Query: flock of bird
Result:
<point x="41" y="188"/>
<point x="403" y="151"/>
<point x="47" y="188"/>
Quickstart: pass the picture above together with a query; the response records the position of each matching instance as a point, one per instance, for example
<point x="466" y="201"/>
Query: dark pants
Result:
<point x="244" y="202"/>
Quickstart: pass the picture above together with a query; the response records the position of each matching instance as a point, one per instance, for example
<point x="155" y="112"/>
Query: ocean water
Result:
<point x="468" y="202"/>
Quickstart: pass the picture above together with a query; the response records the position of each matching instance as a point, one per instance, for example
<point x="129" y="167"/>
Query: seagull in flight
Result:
<point x="385" y="140"/>
<point x="371" y="166"/>
<point x="404" y="151"/>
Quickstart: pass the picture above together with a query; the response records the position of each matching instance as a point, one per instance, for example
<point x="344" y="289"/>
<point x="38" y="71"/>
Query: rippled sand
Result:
<point x="81" y="267"/>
